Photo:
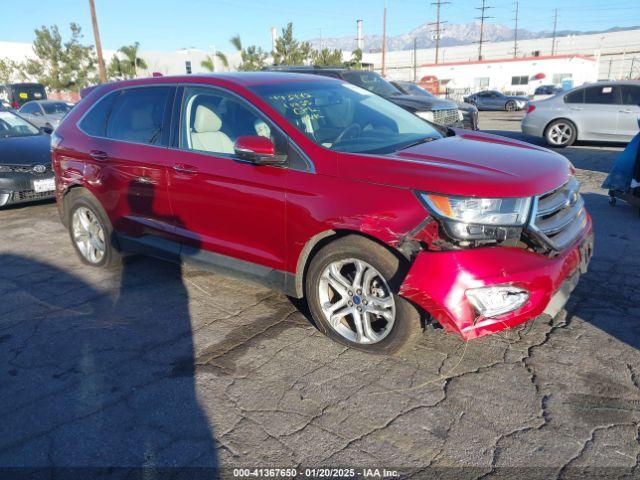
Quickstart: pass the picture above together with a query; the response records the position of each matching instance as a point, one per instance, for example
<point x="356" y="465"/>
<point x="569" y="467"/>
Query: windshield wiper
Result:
<point x="419" y="142"/>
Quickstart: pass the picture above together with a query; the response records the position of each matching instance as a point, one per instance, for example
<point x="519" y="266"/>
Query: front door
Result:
<point x="221" y="203"/>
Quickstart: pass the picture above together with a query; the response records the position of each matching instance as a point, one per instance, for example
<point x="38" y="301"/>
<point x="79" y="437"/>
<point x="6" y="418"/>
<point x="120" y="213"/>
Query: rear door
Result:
<point x="127" y="158"/>
<point x="598" y="117"/>
<point x="629" y="112"/>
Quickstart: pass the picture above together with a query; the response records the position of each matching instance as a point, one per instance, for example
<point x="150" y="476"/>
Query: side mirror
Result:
<point x="47" y="129"/>
<point x="258" y="150"/>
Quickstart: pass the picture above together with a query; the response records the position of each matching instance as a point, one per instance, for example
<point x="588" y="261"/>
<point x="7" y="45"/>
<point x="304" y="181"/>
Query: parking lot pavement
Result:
<point x="158" y="365"/>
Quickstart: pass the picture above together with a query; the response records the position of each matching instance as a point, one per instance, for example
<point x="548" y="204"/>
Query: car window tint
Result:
<point x="94" y="122"/>
<point x="575" y="97"/>
<point x="137" y="115"/>
<point x="603" y="94"/>
<point x="30" y="108"/>
<point x="630" y="95"/>
<point x="212" y="121"/>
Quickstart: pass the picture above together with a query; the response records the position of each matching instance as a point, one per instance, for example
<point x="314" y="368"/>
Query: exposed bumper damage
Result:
<point x="437" y="282"/>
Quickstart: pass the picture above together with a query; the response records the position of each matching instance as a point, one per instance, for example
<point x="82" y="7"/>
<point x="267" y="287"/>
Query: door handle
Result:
<point x="182" y="168"/>
<point x="146" y="180"/>
<point x="575" y="108"/>
<point x="98" y="155"/>
<point x="625" y="111"/>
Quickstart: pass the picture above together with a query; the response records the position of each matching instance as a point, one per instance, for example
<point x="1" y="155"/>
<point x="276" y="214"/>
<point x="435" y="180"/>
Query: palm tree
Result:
<point x="208" y="64"/>
<point x="132" y="61"/>
<point x="223" y="59"/>
<point x="236" y="42"/>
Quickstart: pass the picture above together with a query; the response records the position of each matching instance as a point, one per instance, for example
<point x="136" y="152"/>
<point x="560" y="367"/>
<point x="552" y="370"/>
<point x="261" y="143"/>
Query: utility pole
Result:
<point x="96" y="34"/>
<point x="515" y="35"/>
<point x="482" y="18"/>
<point x="415" y="59"/>
<point x="553" y="37"/>
<point x="384" y="37"/>
<point x="437" y="25"/>
<point x="633" y="60"/>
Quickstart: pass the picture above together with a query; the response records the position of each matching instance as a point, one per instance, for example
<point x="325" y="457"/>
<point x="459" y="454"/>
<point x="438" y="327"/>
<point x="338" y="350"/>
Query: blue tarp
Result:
<point x="621" y="174"/>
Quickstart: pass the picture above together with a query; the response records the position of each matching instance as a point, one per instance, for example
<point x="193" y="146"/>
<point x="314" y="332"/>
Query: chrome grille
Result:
<point x="559" y="216"/>
<point x="445" y="116"/>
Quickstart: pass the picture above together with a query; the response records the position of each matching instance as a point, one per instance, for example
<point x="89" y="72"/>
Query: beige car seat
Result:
<point x="206" y="134"/>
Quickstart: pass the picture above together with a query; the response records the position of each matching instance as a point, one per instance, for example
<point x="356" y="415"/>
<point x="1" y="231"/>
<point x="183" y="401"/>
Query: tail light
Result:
<point x="530" y="108"/>
<point x="15" y="105"/>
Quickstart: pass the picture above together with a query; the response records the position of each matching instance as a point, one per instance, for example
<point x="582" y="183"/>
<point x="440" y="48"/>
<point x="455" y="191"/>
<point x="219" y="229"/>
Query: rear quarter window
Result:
<point x="94" y="122"/>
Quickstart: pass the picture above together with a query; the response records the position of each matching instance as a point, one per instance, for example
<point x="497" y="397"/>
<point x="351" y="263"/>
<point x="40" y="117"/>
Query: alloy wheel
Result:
<point x="88" y="235"/>
<point x="560" y="133"/>
<point x="356" y="301"/>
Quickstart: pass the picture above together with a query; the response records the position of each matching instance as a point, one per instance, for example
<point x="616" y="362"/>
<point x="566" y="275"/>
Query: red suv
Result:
<point x="379" y="219"/>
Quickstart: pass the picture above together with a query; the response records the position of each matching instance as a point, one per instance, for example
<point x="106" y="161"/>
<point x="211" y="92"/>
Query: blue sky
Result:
<point x="169" y="25"/>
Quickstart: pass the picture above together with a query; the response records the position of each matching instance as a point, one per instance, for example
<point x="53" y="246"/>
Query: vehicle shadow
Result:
<point x="100" y="380"/>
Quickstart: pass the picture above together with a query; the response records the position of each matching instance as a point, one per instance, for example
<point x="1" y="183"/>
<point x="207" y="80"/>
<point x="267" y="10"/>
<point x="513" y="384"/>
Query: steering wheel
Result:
<point x="354" y="129"/>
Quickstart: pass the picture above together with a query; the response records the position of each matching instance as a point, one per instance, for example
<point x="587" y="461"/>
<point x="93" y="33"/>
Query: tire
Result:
<point x="510" y="106"/>
<point x="80" y="204"/>
<point x="383" y="273"/>
<point x="561" y="133"/>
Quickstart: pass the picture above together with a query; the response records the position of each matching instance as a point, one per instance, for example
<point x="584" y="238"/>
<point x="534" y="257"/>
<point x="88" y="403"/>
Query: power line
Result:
<point x="553" y="38"/>
<point x="437" y="24"/>
<point x="515" y="35"/>
<point x="482" y="18"/>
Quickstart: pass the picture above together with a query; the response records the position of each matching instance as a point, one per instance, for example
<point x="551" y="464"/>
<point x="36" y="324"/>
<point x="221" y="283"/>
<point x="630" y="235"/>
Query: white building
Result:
<point x="519" y="76"/>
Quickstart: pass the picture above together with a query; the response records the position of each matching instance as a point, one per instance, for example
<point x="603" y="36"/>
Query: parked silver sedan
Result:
<point x="603" y="112"/>
<point x="44" y="113"/>
<point x="494" y="100"/>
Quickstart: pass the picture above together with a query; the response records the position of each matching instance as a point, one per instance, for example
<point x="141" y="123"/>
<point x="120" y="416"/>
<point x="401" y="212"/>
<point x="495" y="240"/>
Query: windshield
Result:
<point x="12" y="125"/>
<point x="55" y="107"/>
<point x="372" y="82"/>
<point x="346" y="118"/>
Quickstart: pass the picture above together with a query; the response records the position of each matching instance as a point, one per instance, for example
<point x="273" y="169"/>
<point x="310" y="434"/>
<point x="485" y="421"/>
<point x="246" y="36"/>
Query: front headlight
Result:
<point x="428" y="116"/>
<point x="484" y="219"/>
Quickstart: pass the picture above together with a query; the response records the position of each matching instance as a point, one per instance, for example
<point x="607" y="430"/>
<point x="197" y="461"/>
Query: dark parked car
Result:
<point x="329" y="193"/>
<point x="25" y="161"/>
<point x="469" y="112"/>
<point x="14" y="95"/>
<point x="435" y="110"/>
<point x="493" y="100"/>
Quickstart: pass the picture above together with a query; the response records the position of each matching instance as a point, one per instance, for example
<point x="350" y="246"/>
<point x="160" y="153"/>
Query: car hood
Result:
<point x="468" y="163"/>
<point x="31" y="150"/>
<point x="419" y="102"/>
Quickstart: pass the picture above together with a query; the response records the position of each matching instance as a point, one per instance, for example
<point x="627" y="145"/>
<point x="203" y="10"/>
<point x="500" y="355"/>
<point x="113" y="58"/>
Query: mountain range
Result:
<point x="453" y="34"/>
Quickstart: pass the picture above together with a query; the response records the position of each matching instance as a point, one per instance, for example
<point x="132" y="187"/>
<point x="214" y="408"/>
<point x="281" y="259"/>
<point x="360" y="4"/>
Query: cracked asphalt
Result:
<point x="164" y="366"/>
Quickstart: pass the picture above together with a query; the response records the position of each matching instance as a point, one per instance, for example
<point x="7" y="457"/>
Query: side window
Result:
<point x="630" y="95"/>
<point x="31" y="108"/>
<point x="603" y="95"/>
<point x="212" y="121"/>
<point x="576" y="96"/>
<point x="137" y="115"/>
<point x="94" y="122"/>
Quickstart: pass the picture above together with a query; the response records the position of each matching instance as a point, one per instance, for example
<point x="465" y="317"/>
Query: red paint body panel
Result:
<point x="437" y="281"/>
<point x="266" y="215"/>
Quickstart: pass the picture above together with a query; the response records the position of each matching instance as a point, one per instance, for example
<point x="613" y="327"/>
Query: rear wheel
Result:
<point x="91" y="231"/>
<point x="351" y="289"/>
<point x="561" y="133"/>
<point x="510" y="106"/>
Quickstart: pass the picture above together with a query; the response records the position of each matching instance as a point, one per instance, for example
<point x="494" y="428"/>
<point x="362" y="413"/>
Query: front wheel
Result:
<point x="561" y="133"/>
<point x="351" y="287"/>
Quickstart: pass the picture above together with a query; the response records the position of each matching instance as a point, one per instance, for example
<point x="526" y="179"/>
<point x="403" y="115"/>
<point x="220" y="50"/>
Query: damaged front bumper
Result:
<point x="438" y="282"/>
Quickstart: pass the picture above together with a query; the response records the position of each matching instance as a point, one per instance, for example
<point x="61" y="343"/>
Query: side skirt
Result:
<point x="214" y="262"/>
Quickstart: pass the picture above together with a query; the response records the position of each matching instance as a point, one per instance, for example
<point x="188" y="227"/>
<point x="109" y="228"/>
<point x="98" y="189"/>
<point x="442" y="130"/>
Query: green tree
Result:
<point x="115" y="69"/>
<point x="131" y="61"/>
<point x="356" y="59"/>
<point x="8" y="70"/>
<point x="61" y="66"/>
<point x="289" y="51"/>
<point x="326" y="58"/>
<point x="223" y="59"/>
<point x="252" y="57"/>
<point x="208" y="64"/>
